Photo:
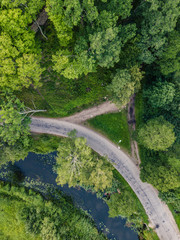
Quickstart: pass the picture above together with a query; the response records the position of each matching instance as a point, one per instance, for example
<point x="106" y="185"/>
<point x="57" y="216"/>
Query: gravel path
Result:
<point x="158" y="213"/>
<point x="103" y="108"/>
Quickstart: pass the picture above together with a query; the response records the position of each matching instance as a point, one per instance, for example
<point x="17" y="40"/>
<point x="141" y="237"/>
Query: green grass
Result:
<point x="115" y="127"/>
<point x="175" y="215"/>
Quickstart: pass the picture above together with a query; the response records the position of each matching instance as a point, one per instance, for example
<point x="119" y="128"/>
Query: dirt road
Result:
<point x="103" y="108"/>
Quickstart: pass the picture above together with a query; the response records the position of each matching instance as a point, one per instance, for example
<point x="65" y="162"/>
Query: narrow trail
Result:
<point x="132" y="126"/>
<point x="106" y="107"/>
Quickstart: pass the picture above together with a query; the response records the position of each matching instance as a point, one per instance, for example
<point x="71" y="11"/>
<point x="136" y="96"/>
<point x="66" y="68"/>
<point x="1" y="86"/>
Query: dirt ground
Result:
<point x="103" y="108"/>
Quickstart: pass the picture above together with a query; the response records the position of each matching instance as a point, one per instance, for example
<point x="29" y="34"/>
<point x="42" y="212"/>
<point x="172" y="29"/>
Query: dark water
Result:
<point x="39" y="167"/>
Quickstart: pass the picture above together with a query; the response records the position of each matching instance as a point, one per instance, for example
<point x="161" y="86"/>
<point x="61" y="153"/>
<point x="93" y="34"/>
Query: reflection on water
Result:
<point x="39" y="167"/>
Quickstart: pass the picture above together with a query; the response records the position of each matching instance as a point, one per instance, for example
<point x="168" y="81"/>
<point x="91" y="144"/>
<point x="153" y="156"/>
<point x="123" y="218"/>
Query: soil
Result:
<point x="106" y="107"/>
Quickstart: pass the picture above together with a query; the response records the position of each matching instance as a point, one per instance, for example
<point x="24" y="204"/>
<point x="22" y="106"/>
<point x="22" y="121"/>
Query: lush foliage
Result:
<point x="157" y="134"/>
<point x="14" y="126"/>
<point x="161" y="94"/>
<point x="25" y="214"/>
<point x="77" y="165"/>
<point x="124" y="84"/>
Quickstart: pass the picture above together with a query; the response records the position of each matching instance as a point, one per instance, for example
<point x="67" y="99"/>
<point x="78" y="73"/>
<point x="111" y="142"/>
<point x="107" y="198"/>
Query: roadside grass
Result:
<point x="175" y="215"/>
<point x="115" y="127"/>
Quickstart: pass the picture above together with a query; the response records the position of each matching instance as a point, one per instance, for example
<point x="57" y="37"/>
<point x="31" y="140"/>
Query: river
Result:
<point x="39" y="167"/>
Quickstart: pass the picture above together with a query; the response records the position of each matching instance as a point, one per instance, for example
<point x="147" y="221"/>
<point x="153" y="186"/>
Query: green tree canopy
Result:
<point x="121" y="8"/>
<point x="157" y="134"/>
<point x="12" y="153"/>
<point x="158" y="17"/>
<point x="121" y="205"/>
<point x="19" y="56"/>
<point x="124" y="83"/>
<point x="26" y="214"/>
<point x="14" y="122"/>
<point x="77" y="165"/>
<point x="106" y="45"/>
<point x="163" y="178"/>
<point x="161" y="94"/>
<point x="169" y="61"/>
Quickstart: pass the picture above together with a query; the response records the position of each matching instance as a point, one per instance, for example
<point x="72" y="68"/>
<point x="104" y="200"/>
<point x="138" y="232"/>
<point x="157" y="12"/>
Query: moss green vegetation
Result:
<point x="26" y="215"/>
<point x="115" y="127"/>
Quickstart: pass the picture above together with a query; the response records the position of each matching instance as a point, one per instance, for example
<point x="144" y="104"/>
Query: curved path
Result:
<point x="158" y="213"/>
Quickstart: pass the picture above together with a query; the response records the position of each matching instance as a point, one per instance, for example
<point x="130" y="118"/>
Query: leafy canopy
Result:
<point x="78" y="165"/>
<point x="161" y="94"/>
<point x="158" y="18"/>
<point x="121" y="205"/>
<point x="14" y="126"/>
<point x="124" y="83"/>
<point x="157" y="134"/>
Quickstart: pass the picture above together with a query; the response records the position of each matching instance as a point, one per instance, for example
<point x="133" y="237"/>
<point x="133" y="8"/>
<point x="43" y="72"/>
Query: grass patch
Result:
<point x="175" y="215"/>
<point x="115" y="127"/>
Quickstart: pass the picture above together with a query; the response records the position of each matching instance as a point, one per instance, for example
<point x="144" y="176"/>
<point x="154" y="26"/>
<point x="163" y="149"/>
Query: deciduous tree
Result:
<point x="77" y="165"/>
<point x="121" y="205"/>
<point x="157" y="134"/>
<point x="124" y="83"/>
<point x="161" y="94"/>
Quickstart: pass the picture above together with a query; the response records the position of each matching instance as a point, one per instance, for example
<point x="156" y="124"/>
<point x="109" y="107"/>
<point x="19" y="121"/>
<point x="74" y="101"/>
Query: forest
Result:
<point x="79" y="54"/>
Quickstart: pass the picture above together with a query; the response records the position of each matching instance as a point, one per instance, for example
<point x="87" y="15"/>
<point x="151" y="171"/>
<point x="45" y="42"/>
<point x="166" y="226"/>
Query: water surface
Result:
<point x="39" y="167"/>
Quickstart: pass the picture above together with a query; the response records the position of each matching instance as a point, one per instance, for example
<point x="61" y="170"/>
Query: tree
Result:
<point x="120" y="7"/>
<point x="15" y="126"/>
<point x="169" y="61"/>
<point x="162" y="177"/>
<point x="20" y="61"/>
<point x="31" y="7"/>
<point x="55" y="12"/>
<point x="124" y="83"/>
<point x="77" y="165"/>
<point x="157" y="19"/>
<point x="72" y="66"/>
<point x="157" y="134"/>
<point x="12" y="153"/>
<point x="161" y="94"/>
<point x="14" y="121"/>
<point x="121" y="205"/>
<point x="106" y="45"/>
<point x="72" y="12"/>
